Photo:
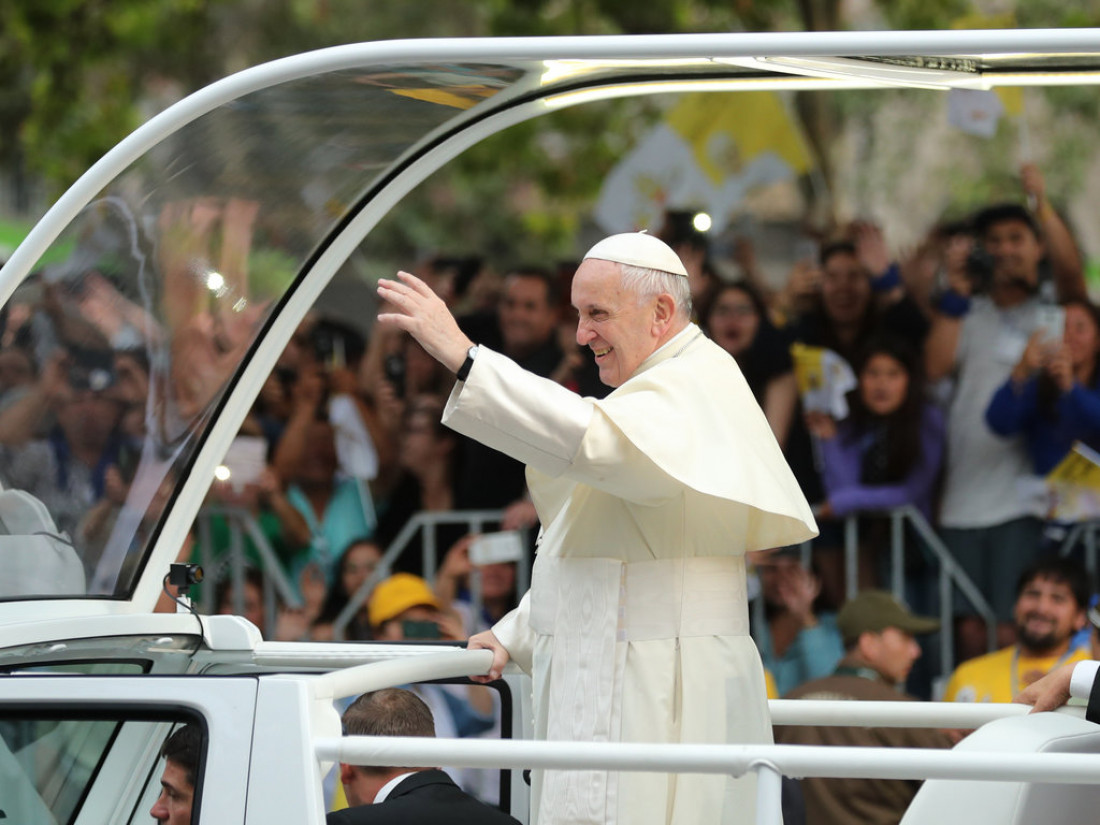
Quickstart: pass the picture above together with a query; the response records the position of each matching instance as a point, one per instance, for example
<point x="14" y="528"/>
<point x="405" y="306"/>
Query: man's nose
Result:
<point x="584" y="334"/>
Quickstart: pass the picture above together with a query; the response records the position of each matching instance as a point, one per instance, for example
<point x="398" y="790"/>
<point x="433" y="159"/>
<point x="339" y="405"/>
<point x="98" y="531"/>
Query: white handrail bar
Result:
<point x="791" y="760"/>
<point x="353" y="681"/>
<point x="963" y="715"/>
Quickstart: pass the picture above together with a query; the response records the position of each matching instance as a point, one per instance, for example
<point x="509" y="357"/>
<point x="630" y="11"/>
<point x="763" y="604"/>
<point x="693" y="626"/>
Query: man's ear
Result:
<point x="1081" y="621"/>
<point x="347" y="773"/>
<point x="664" y="310"/>
<point x="867" y="646"/>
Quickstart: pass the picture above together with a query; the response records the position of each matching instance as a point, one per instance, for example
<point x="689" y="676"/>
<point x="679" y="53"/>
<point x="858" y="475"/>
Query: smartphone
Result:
<point x="245" y="460"/>
<point x="497" y="548"/>
<point x="806" y="249"/>
<point x="1051" y="320"/>
<point x="419" y="629"/>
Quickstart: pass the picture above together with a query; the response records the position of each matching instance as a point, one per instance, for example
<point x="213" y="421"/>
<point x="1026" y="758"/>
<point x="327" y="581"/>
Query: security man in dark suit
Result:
<point x="403" y="796"/>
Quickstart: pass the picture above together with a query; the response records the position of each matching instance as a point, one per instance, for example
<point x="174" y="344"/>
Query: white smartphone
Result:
<point x="1052" y="321"/>
<point x="245" y="460"/>
<point x="497" y="548"/>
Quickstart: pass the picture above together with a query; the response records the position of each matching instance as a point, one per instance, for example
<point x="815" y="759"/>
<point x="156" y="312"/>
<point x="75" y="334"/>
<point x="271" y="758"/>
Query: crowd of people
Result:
<point x="975" y="367"/>
<point x="975" y="370"/>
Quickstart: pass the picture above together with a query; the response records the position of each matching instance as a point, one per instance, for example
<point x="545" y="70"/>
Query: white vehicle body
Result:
<point x="266" y="707"/>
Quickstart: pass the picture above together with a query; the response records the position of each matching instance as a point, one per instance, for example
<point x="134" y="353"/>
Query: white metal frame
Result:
<point x="769" y="762"/>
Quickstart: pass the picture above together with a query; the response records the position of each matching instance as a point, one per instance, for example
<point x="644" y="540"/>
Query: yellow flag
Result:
<point x="726" y="132"/>
<point x="1012" y="98"/>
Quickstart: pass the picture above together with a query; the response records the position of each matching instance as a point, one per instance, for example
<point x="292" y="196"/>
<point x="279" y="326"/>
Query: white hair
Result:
<point x="649" y="283"/>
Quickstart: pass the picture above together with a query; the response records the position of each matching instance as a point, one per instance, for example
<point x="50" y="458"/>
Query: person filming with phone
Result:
<point x="1052" y="396"/>
<point x="980" y="332"/>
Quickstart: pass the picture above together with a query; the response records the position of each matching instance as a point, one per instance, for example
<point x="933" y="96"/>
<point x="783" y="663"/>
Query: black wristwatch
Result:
<point x="464" y="370"/>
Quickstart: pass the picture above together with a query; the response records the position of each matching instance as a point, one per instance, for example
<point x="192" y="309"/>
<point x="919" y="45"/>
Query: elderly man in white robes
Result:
<point x="635" y="628"/>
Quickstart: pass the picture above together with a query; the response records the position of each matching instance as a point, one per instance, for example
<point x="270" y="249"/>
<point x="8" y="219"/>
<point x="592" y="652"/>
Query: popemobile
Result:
<point x="312" y="152"/>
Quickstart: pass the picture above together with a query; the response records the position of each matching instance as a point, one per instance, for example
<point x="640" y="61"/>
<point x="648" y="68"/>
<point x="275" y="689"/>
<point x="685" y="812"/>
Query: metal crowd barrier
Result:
<point x="951" y="575"/>
<point x="1086" y="531"/>
<point x="241" y="523"/>
<point x="277" y="586"/>
<point x="425" y="523"/>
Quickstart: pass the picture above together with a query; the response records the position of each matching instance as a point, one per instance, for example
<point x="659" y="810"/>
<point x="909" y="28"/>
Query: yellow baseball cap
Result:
<point x="397" y="594"/>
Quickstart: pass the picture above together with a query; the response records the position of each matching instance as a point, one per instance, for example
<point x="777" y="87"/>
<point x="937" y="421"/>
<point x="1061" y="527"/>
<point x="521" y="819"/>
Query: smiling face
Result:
<point x="527" y="318"/>
<point x="883" y="384"/>
<point x="621" y="327"/>
<point x="1014" y="251"/>
<point x="1047" y="615"/>
<point x="845" y="288"/>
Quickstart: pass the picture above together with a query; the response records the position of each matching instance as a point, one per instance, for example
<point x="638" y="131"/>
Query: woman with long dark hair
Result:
<point x="357" y="563"/>
<point x="888" y="451"/>
<point x="1052" y="397"/>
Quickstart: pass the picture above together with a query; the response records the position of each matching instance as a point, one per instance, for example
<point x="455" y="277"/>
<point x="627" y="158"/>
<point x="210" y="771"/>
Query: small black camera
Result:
<point x="395" y="373"/>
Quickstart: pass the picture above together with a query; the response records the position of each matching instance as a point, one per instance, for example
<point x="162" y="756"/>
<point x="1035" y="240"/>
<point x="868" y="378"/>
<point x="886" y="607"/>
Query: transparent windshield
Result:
<point x="49" y="762"/>
<point x="114" y="356"/>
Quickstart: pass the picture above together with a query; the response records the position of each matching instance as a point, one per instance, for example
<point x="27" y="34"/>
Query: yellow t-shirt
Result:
<point x="990" y="678"/>
<point x="769" y="684"/>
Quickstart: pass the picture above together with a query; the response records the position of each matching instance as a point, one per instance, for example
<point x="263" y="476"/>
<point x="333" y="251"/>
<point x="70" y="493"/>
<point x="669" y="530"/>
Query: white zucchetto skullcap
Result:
<point x="638" y="249"/>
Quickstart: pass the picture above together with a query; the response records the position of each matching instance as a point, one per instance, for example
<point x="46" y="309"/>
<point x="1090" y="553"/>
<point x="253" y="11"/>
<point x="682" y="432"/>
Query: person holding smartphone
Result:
<point x="1052" y="396"/>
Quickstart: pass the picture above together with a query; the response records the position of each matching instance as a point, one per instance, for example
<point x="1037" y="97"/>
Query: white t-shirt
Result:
<point x="986" y="476"/>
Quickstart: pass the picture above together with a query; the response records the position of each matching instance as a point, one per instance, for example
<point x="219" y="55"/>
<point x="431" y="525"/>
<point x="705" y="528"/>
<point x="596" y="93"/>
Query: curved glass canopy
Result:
<point x="182" y="262"/>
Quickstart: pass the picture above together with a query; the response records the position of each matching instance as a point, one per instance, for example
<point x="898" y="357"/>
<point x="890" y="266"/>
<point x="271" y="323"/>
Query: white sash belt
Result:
<point x="586" y="607"/>
<point x="663" y="599"/>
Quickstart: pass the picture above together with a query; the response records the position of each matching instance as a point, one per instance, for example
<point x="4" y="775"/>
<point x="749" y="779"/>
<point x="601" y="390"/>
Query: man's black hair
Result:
<point x="841" y="247"/>
<point x="553" y="291"/>
<point x="184" y="747"/>
<point x="1061" y="570"/>
<point x="987" y="218"/>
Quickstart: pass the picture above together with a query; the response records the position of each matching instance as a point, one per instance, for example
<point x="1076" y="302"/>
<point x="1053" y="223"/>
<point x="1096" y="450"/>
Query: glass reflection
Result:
<point x="113" y="359"/>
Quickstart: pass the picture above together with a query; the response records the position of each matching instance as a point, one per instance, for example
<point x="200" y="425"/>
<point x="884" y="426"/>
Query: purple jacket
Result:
<point x="842" y="460"/>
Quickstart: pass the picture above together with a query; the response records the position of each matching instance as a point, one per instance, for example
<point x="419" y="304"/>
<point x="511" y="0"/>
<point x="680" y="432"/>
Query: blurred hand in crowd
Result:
<point x="796" y="589"/>
<point x="871" y="247"/>
<point x="821" y="425"/>
<point x="519" y="515"/>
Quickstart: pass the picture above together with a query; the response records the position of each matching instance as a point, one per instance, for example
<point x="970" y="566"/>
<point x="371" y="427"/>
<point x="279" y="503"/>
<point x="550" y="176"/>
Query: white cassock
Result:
<point x="635" y="628"/>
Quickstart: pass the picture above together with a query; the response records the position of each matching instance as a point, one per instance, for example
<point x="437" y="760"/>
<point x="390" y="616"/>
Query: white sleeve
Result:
<point x="1084" y="675"/>
<point x="552" y="429"/>
<point x="515" y="633"/>
<point x="531" y="419"/>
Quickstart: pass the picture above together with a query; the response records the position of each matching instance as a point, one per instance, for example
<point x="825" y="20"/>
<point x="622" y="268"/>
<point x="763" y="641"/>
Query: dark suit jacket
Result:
<point x="1092" y="713"/>
<point x="425" y="798"/>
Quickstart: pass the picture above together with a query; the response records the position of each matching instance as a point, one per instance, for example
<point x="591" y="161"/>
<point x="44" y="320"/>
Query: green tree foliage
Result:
<point x="73" y="70"/>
